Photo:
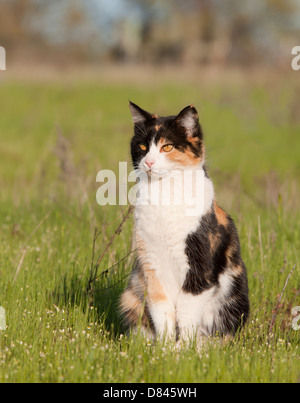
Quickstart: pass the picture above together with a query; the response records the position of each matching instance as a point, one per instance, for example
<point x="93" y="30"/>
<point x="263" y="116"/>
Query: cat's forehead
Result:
<point x="161" y="122"/>
<point x="159" y="127"/>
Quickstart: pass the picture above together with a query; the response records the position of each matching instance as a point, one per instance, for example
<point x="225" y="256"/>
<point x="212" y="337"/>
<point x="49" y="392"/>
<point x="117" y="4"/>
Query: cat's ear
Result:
<point x="188" y="119"/>
<point x="138" y="114"/>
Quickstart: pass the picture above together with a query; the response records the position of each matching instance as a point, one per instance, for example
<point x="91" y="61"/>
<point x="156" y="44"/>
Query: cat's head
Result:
<point x="166" y="143"/>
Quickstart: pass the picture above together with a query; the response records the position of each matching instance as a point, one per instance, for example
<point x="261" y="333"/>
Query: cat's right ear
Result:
<point x="138" y="114"/>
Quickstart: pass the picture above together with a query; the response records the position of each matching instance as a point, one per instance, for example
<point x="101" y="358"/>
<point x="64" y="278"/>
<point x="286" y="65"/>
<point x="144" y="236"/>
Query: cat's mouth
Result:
<point x="150" y="172"/>
<point x="154" y="172"/>
<point x="157" y="173"/>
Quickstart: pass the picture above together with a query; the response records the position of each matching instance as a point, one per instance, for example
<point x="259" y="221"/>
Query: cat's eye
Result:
<point x="167" y="148"/>
<point x="143" y="147"/>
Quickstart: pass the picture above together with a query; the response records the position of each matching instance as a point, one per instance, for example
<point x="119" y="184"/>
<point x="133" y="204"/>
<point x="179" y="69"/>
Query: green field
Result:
<point x="54" y="138"/>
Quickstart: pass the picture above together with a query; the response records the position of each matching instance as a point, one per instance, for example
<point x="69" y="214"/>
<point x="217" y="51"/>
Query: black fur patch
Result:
<point x="211" y="250"/>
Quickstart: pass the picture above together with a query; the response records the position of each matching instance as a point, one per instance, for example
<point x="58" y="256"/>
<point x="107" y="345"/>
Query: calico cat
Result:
<point x="189" y="279"/>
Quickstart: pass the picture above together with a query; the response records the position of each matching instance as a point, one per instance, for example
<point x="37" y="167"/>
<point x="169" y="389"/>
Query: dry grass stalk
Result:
<point x="27" y="241"/>
<point x="95" y="266"/>
<point x="279" y="300"/>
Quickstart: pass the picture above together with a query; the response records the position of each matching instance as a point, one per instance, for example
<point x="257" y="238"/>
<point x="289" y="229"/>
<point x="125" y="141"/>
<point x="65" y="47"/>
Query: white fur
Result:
<point x="197" y="314"/>
<point x="164" y="230"/>
<point x="188" y="121"/>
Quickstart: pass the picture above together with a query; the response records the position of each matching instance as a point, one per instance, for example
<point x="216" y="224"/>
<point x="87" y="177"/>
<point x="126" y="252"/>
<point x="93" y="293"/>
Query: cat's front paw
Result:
<point x="166" y="333"/>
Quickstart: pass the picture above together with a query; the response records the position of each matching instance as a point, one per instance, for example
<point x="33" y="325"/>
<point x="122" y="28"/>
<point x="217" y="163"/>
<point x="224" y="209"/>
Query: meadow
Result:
<point x="64" y="260"/>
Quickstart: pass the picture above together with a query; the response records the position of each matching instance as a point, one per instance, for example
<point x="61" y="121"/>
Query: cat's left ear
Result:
<point x="188" y="119"/>
<point x="139" y="115"/>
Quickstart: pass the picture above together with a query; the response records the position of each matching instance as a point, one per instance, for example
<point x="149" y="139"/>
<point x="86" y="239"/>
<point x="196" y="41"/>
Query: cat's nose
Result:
<point x="149" y="162"/>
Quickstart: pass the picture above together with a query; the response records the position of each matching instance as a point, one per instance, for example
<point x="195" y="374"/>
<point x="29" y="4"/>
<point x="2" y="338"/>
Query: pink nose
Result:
<point x="149" y="162"/>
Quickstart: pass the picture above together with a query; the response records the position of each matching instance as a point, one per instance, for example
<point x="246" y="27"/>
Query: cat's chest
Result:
<point x="165" y="226"/>
<point x="163" y="232"/>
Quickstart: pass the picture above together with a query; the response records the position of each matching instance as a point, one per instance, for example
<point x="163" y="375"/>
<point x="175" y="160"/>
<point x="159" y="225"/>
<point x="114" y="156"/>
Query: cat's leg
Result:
<point x="133" y="307"/>
<point x="195" y="315"/>
<point x="161" y="308"/>
<point x="144" y="331"/>
<point x="146" y="307"/>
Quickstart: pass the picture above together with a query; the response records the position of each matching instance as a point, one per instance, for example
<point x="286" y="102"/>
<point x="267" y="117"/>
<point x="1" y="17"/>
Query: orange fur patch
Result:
<point x="132" y="305"/>
<point x="153" y="287"/>
<point x="214" y="241"/>
<point x="220" y="215"/>
<point x="186" y="158"/>
<point x="155" y="291"/>
<point x="151" y="284"/>
<point x="195" y="142"/>
<point x="236" y="270"/>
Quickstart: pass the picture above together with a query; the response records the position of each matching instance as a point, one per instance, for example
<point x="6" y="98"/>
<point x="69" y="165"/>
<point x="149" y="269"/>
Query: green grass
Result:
<point x="56" y="331"/>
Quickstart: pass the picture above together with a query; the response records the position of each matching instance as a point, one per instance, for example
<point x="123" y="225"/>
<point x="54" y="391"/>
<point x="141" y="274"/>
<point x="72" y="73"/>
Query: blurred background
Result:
<point x="71" y="67"/>
<point x="245" y="33"/>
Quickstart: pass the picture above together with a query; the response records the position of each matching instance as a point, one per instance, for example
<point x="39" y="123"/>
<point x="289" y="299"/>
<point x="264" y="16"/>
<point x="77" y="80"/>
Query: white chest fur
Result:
<point x="164" y="227"/>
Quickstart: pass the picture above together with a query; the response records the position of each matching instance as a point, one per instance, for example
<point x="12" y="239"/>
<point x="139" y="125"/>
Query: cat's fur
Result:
<point x="189" y="278"/>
